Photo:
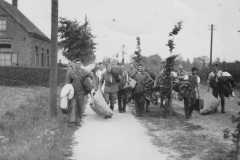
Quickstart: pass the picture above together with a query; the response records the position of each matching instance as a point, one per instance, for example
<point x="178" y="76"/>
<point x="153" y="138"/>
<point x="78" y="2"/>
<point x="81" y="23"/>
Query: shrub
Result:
<point x="18" y="76"/>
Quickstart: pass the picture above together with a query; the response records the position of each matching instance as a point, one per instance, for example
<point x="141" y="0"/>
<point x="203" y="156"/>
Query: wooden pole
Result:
<point x="211" y="47"/>
<point x="53" y="65"/>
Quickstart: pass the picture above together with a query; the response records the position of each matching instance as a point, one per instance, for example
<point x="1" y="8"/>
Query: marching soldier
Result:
<point x="110" y="88"/>
<point x="122" y="93"/>
<point x="76" y="77"/>
<point x="139" y="97"/>
<point x="190" y="101"/>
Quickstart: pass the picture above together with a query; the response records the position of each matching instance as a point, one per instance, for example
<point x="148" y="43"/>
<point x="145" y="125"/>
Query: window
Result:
<point x="5" y="47"/>
<point x="8" y="59"/>
<point x="42" y="58"/>
<point x="48" y="59"/>
<point x="36" y="60"/>
<point x="36" y="49"/>
<point x="3" y="23"/>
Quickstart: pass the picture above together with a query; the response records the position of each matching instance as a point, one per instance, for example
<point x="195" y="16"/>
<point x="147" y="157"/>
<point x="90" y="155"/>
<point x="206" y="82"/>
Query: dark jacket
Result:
<point x="131" y="72"/>
<point x="140" y="77"/>
<point x="76" y="78"/>
<point x="110" y="87"/>
<point x="123" y="81"/>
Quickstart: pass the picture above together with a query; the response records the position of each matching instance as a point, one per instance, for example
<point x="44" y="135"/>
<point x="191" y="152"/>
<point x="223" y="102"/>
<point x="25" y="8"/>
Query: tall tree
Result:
<point x="138" y="57"/>
<point x="123" y="53"/>
<point x="77" y="40"/>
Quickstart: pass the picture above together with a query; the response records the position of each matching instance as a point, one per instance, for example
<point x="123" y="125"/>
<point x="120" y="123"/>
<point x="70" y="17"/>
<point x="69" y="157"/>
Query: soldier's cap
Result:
<point x="77" y="60"/>
<point x="180" y="66"/>
<point x="108" y="64"/>
<point x="140" y="65"/>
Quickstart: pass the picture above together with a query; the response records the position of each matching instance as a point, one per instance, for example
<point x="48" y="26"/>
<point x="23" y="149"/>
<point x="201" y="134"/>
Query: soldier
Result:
<point x="76" y="78"/>
<point x="110" y="88"/>
<point x="181" y="73"/>
<point x="122" y="93"/>
<point x="139" y="97"/>
<point x="214" y="77"/>
<point x="131" y="72"/>
<point x="195" y="85"/>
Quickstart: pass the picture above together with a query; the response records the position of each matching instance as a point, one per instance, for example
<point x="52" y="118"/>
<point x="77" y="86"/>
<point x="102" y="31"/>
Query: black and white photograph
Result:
<point x="119" y="79"/>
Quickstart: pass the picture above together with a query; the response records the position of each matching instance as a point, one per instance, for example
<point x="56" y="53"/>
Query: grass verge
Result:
<point x="27" y="132"/>
<point x="180" y="139"/>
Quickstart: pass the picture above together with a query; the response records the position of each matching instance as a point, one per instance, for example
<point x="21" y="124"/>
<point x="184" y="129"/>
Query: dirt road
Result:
<point x="121" y="138"/>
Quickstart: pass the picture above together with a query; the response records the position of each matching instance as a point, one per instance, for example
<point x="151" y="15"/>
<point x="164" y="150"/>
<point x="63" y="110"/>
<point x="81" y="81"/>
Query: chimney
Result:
<point x="15" y="3"/>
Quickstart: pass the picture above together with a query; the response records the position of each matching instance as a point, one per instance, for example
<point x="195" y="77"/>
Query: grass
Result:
<point x="27" y="132"/>
<point x="180" y="139"/>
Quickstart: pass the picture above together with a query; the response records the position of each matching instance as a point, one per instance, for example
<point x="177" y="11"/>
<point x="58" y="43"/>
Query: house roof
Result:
<point x="22" y="19"/>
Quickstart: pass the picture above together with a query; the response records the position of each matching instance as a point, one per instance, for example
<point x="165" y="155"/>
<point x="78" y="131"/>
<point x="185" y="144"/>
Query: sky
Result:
<point x="118" y="22"/>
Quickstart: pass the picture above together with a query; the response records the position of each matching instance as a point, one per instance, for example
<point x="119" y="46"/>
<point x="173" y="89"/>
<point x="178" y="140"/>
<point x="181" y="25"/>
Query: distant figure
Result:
<point x="60" y="63"/>
<point x="194" y="81"/>
<point x="99" y="73"/>
<point x="181" y="72"/>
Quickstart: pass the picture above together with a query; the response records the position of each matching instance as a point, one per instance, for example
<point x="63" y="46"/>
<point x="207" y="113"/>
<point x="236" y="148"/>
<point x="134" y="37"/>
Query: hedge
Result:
<point x="15" y="76"/>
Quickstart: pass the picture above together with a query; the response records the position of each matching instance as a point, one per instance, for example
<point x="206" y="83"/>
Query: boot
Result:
<point x="223" y="110"/>
<point x="147" y="108"/>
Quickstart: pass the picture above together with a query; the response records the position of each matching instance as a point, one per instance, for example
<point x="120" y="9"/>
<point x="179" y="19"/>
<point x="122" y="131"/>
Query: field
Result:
<point x="26" y="131"/>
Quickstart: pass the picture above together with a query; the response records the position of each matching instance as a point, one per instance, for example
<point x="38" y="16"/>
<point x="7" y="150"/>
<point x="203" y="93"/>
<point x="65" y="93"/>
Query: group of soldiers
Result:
<point x="114" y="86"/>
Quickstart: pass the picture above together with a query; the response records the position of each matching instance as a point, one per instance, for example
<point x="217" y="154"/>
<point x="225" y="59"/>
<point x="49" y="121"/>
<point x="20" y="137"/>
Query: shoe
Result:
<point x="109" y="116"/>
<point x="124" y="111"/>
<point x="120" y="111"/>
<point x="147" y="110"/>
<point x="79" y="123"/>
<point x="223" y="111"/>
<point x="187" y="117"/>
<point x="106" y="117"/>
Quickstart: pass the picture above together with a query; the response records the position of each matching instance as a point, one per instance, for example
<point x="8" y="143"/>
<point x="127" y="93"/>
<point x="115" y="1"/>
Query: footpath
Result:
<point x="120" y="138"/>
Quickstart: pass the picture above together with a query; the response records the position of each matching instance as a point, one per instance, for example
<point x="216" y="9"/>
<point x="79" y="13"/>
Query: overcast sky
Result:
<point x="151" y="20"/>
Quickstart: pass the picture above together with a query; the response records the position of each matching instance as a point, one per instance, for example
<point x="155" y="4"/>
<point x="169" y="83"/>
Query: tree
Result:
<point x="188" y="65"/>
<point x="138" y="57"/>
<point x="175" y="31"/>
<point x="123" y="53"/>
<point x="77" y="41"/>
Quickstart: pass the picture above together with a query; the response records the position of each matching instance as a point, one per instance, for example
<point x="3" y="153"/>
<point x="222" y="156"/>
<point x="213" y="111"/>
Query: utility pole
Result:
<point x="53" y="66"/>
<point x="211" y="46"/>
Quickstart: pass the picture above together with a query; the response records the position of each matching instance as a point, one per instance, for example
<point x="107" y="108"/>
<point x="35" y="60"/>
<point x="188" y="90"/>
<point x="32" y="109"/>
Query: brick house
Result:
<point x="21" y="42"/>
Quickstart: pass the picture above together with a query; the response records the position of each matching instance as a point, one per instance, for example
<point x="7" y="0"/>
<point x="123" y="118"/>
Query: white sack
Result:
<point x="64" y="103"/>
<point x="67" y="91"/>
<point x="99" y="105"/>
<point x="210" y="104"/>
<point x="226" y="74"/>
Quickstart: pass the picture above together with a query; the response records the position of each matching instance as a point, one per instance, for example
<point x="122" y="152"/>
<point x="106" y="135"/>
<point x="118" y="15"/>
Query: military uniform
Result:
<point x="76" y="78"/>
<point x="139" y="98"/>
<point x="110" y="88"/>
<point x="122" y="93"/>
<point x="194" y="81"/>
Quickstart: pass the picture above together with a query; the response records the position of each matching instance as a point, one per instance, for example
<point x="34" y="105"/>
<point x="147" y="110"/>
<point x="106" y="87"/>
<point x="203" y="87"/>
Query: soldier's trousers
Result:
<point x="139" y="103"/>
<point x="80" y="101"/>
<point x="122" y="100"/>
<point x="110" y="97"/>
<point x="189" y="107"/>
